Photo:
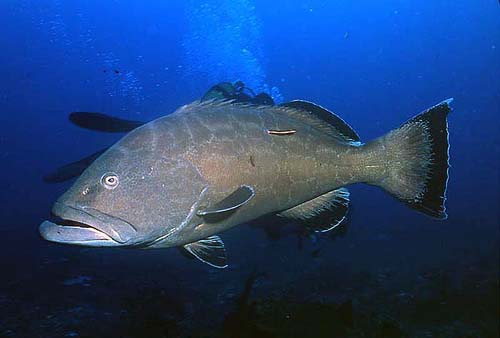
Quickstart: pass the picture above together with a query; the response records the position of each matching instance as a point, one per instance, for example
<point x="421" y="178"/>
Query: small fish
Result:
<point x="182" y="179"/>
<point x="96" y="122"/>
<point x="116" y="71"/>
<point x="103" y="122"/>
<point x="73" y="169"/>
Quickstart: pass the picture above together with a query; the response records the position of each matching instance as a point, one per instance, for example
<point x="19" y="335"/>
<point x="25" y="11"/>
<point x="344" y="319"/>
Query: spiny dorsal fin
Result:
<point x="335" y="203"/>
<point x="209" y="250"/>
<point x="322" y="119"/>
<point x="232" y="202"/>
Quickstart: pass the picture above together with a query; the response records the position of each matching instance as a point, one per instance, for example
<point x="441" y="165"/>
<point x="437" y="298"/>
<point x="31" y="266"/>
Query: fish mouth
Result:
<point x="86" y="226"/>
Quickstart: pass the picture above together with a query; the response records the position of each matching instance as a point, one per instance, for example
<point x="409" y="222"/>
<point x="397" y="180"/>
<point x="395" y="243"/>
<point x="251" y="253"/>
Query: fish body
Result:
<point x="184" y="178"/>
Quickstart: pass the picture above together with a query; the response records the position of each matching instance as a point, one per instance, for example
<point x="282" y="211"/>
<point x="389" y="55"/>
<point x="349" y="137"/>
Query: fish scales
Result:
<point x="184" y="178"/>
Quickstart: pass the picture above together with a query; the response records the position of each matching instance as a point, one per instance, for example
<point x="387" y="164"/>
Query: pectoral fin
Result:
<point x="209" y="250"/>
<point x="232" y="202"/>
<point x="322" y="213"/>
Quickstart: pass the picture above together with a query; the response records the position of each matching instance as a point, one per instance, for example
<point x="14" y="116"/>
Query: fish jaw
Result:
<point x="75" y="235"/>
<point x="86" y="226"/>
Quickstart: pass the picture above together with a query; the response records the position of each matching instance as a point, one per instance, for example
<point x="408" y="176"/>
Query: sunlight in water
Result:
<point x="223" y="43"/>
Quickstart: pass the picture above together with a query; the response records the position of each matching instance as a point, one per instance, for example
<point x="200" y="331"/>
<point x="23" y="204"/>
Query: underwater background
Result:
<point x="388" y="272"/>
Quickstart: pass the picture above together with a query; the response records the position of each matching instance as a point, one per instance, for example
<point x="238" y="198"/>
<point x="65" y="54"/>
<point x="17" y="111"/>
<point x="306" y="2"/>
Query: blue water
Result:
<point x="376" y="64"/>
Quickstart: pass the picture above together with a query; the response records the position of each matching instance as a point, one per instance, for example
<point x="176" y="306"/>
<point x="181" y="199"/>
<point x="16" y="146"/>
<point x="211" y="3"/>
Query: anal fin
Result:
<point x="322" y="213"/>
<point x="209" y="250"/>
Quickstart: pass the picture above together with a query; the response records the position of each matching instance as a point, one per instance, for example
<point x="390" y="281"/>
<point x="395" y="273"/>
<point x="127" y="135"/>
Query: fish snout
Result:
<point x="87" y="226"/>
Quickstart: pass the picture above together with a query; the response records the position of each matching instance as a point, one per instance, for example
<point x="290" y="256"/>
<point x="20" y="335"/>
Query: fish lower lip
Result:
<point x="75" y="233"/>
<point x="71" y="223"/>
<point x="88" y="218"/>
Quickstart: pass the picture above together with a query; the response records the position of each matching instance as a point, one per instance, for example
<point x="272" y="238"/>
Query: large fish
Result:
<point x="184" y="178"/>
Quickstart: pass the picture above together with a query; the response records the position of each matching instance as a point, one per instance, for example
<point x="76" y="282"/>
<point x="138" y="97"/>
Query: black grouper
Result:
<point x="183" y="178"/>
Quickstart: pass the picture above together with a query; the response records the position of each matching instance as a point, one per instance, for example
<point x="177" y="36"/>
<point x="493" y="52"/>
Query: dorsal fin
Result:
<point x="322" y="119"/>
<point x="322" y="213"/>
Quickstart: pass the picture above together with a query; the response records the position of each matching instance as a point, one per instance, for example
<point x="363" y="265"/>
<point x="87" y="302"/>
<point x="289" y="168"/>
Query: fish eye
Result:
<point x="110" y="180"/>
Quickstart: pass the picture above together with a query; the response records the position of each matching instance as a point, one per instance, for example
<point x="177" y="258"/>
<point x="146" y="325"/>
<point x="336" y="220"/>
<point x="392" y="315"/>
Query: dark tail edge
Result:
<point x="417" y="159"/>
<point x="432" y="201"/>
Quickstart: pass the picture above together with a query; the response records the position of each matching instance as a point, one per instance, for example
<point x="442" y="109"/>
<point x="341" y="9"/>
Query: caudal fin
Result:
<point x="417" y="161"/>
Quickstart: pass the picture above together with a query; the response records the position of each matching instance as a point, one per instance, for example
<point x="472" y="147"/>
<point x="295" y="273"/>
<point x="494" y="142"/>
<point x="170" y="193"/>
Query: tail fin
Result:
<point x="417" y="167"/>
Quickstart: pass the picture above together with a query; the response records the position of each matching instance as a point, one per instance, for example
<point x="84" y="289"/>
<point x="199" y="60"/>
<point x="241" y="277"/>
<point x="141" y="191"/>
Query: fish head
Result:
<point x="125" y="198"/>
